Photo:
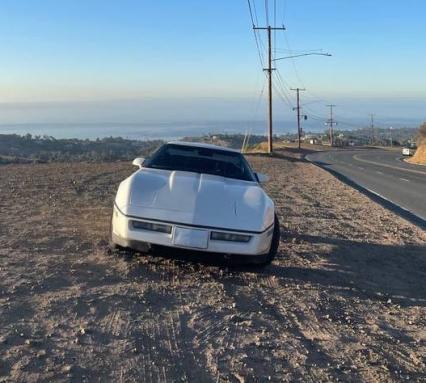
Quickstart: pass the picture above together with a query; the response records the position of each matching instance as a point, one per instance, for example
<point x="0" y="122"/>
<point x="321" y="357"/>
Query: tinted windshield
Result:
<point x="201" y="160"/>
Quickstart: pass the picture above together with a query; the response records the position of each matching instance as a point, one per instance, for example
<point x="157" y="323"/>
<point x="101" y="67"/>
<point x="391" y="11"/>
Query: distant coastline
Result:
<point x="164" y="130"/>
<point x="141" y="131"/>
<point x="43" y="148"/>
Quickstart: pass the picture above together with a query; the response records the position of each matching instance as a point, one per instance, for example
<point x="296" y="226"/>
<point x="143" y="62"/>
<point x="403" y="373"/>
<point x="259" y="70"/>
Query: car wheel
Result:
<point x="274" y="243"/>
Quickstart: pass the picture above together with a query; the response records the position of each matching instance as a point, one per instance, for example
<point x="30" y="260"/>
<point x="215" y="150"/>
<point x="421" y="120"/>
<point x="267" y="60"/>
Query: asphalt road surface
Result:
<point x="382" y="172"/>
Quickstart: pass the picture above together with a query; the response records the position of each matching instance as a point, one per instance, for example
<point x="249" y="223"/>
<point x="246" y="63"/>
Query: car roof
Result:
<point x="203" y="145"/>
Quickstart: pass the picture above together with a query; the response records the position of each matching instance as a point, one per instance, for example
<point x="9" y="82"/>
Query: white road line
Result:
<point x="404" y="179"/>
<point x="373" y="192"/>
<point x="387" y="199"/>
<point x="356" y="157"/>
<point x="378" y="172"/>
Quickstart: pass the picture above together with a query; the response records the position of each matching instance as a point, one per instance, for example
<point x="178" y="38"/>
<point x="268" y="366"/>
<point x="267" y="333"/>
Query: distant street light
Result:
<point x="304" y="54"/>
<point x="390" y="136"/>
<point x="299" y="130"/>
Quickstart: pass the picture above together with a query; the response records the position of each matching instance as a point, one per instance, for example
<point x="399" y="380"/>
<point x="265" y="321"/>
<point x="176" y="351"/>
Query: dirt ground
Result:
<point x="345" y="300"/>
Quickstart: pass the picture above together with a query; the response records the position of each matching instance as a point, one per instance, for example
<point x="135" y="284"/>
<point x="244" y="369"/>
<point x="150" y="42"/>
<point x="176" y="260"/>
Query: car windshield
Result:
<point x="201" y="160"/>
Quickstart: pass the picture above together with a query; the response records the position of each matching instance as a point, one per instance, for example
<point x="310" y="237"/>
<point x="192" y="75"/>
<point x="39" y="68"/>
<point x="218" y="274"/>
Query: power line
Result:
<point x="293" y="62"/>
<point x="255" y="12"/>
<point x="267" y="11"/>
<point x="300" y="80"/>
<point x="284" y="10"/>
<point x="283" y="96"/>
<point x="303" y="54"/>
<point x="253" y="18"/>
<point x="251" y="12"/>
<point x="275" y="13"/>
<point x="255" y="113"/>
<point x="313" y="113"/>
<point x="341" y="120"/>
<point x="283" y="86"/>
<point x="286" y="85"/>
<point x="311" y="102"/>
<point x="352" y="109"/>
<point x="275" y="31"/>
<point x="299" y="51"/>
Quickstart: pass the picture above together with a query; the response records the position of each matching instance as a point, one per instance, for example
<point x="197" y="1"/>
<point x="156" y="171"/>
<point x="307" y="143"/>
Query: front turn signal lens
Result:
<point x="230" y="237"/>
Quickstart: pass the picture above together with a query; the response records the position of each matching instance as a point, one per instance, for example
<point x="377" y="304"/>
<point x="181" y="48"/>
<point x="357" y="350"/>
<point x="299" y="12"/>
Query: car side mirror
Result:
<point x="138" y="162"/>
<point x="262" y="178"/>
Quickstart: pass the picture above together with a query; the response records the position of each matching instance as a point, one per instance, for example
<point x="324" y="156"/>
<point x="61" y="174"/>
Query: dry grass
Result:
<point x="420" y="156"/>
<point x="280" y="145"/>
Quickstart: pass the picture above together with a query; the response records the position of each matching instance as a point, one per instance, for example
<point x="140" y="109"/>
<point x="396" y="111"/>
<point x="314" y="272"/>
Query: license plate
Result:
<point x="192" y="238"/>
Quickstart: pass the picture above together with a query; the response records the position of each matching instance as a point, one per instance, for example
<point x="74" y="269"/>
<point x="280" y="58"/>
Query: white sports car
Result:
<point x="196" y="196"/>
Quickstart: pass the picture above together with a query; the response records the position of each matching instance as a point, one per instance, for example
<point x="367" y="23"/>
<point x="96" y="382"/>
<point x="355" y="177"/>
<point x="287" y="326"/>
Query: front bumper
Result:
<point x="124" y="234"/>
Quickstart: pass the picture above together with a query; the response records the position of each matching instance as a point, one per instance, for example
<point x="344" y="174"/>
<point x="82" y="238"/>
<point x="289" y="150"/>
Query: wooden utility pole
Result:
<point x="269" y="69"/>
<point x="299" y="129"/>
<point x="331" y="123"/>
<point x="373" y="139"/>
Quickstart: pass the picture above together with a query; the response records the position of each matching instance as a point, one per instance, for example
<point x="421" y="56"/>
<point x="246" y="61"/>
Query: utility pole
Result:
<point x="330" y="122"/>
<point x="299" y="129"/>
<point x="372" y="129"/>
<point x="269" y="69"/>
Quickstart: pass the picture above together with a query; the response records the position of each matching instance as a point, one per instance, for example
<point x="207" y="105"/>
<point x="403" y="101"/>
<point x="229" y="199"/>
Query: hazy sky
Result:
<point x="110" y="60"/>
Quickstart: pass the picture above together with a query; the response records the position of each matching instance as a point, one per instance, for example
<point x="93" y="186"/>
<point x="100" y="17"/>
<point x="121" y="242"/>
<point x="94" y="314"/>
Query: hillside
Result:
<point x="420" y="155"/>
<point x="344" y="300"/>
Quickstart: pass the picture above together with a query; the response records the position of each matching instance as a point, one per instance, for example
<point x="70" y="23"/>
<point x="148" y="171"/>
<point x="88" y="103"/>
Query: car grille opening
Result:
<point x="230" y="237"/>
<point x="150" y="226"/>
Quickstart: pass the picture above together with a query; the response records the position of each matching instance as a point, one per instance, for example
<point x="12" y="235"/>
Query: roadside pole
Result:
<point x="330" y="122"/>
<point x="299" y="129"/>
<point x="269" y="70"/>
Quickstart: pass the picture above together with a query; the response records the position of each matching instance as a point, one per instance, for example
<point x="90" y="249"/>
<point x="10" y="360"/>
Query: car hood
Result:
<point x="196" y="199"/>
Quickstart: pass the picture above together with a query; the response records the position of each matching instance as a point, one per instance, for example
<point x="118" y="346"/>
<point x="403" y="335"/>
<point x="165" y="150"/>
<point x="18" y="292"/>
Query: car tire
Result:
<point x="270" y="256"/>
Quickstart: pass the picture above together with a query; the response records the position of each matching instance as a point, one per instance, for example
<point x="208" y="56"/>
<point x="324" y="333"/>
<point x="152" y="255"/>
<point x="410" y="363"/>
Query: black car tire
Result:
<point x="270" y="256"/>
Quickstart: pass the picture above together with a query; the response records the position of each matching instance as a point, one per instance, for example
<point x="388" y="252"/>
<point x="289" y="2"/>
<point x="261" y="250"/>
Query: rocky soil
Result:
<point x="345" y="300"/>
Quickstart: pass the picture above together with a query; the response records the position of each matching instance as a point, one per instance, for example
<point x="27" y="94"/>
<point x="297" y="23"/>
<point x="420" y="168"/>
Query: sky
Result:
<point x="133" y="61"/>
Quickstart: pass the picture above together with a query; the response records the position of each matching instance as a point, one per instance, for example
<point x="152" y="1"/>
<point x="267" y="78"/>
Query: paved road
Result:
<point x="381" y="172"/>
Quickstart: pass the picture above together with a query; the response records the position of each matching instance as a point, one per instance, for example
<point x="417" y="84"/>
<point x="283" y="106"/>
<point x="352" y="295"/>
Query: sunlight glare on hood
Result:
<point x="252" y="196"/>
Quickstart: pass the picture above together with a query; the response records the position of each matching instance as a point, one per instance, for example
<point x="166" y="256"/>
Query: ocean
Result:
<point x="144" y="131"/>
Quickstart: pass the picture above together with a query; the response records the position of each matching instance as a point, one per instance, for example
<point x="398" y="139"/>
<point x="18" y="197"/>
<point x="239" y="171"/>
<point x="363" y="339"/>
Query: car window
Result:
<point x="201" y="160"/>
